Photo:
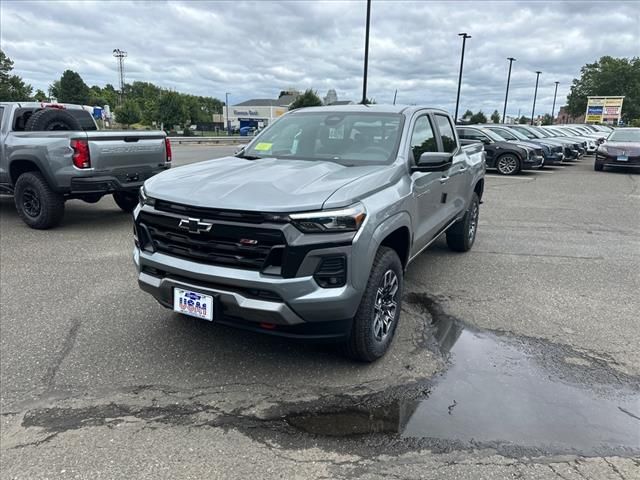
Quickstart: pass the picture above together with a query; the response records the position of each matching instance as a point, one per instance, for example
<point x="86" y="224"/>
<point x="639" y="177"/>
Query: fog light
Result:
<point x="332" y="272"/>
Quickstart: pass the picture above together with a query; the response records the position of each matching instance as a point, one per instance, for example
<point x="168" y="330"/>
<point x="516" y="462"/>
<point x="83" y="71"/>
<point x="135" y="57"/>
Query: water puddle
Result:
<point x="503" y="391"/>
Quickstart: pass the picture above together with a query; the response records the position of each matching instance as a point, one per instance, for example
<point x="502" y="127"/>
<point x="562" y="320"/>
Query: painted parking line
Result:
<point x="508" y="177"/>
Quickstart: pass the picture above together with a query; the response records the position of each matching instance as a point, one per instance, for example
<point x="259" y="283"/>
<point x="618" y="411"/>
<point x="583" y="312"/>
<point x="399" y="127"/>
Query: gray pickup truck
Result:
<point x="53" y="153"/>
<point x="307" y="231"/>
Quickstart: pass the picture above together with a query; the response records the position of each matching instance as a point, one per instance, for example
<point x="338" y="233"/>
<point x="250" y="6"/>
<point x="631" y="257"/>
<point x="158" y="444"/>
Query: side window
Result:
<point x="446" y="132"/>
<point x="422" y="138"/>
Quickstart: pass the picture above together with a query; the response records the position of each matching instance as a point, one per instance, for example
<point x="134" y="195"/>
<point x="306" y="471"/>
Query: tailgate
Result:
<point x="126" y="151"/>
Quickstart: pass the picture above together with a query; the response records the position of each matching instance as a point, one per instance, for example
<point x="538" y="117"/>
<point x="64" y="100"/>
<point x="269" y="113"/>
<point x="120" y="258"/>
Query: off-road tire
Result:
<point x="462" y="234"/>
<point x="49" y="119"/>
<point x="362" y="343"/>
<point x="127" y="201"/>
<point x="30" y="189"/>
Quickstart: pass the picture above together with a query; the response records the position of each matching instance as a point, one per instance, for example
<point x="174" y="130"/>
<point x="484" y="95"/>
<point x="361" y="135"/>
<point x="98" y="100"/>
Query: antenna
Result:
<point x="120" y="55"/>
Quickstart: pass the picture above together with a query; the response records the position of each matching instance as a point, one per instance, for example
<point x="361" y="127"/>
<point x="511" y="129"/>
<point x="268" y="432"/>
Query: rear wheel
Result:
<point x="37" y="204"/>
<point x="508" y="164"/>
<point x="462" y="234"/>
<point x="127" y="201"/>
<point x="377" y="317"/>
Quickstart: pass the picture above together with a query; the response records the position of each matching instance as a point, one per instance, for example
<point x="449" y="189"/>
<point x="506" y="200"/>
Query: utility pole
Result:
<point x="553" y="109"/>
<point x="366" y="54"/>
<point x="506" y="95"/>
<point x="120" y="55"/>
<point x="394" y="96"/>
<point x="226" y="103"/>
<point x="464" y="41"/>
<point x="535" y="94"/>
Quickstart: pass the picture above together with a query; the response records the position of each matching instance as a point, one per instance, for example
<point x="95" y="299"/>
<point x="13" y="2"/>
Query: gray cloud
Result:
<point x="256" y="49"/>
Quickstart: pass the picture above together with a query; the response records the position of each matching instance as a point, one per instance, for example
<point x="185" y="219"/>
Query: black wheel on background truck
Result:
<point x="49" y="119"/>
<point x="127" y="201"/>
<point x="377" y="317"/>
<point x="598" y="167"/>
<point x="37" y="205"/>
<point x="462" y="234"/>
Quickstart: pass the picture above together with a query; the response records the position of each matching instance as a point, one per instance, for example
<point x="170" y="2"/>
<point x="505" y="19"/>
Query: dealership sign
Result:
<point x="604" y="109"/>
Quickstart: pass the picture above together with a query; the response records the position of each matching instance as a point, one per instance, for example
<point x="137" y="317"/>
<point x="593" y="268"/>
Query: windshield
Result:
<point x="556" y="132"/>
<point x="352" y="139"/>
<point x="510" y="134"/>
<point x="625" y="135"/>
<point x="493" y="135"/>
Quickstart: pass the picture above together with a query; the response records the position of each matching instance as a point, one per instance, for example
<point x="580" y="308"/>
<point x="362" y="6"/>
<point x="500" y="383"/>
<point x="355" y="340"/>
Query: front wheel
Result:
<point x="127" y="201"/>
<point x="377" y="317"/>
<point x="508" y="164"/>
<point x="462" y="234"/>
<point x="598" y="167"/>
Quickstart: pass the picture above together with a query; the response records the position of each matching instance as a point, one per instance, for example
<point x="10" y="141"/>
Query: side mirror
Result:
<point x="486" y="141"/>
<point x="238" y="151"/>
<point x="433" y="161"/>
<point x="601" y="141"/>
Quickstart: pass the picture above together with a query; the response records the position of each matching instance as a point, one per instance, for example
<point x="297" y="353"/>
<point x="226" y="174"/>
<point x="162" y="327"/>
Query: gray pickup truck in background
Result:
<point x="53" y="153"/>
<point x="307" y="231"/>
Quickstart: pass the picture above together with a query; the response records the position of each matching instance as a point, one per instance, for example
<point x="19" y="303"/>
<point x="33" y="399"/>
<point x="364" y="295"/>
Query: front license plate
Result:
<point x="623" y="158"/>
<point x="193" y="303"/>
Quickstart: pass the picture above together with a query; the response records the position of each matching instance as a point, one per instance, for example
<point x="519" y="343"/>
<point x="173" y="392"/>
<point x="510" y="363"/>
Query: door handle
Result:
<point x="463" y="169"/>
<point x="444" y="179"/>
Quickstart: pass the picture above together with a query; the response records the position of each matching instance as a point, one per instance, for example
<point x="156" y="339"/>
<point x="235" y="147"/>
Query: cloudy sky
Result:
<point x="256" y="49"/>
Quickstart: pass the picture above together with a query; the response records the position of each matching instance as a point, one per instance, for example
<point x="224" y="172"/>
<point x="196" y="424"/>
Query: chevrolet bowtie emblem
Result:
<point x="194" y="225"/>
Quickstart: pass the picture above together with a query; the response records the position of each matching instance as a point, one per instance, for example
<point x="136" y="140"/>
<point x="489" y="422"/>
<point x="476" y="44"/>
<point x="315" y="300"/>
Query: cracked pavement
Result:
<point x="98" y="381"/>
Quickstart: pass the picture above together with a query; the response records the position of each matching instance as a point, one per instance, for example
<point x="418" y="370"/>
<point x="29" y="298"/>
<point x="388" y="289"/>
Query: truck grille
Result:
<point x="238" y="246"/>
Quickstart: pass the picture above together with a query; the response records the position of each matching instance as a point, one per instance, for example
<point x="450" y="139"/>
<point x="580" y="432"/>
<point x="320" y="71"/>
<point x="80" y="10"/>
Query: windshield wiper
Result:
<point x="248" y="157"/>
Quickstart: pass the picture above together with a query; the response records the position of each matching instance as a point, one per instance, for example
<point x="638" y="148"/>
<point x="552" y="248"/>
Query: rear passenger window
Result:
<point x="446" y="132"/>
<point x="423" y="139"/>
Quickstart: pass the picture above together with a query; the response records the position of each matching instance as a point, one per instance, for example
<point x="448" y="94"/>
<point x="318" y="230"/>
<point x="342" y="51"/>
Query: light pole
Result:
<point x="506" y="95"/>
<point x="464" y="41"/>
<point x="120" y="55"/>
<point x="366" y="54"/>
<point x="535" y="94"/>
<point x="553" y="109"/>
<point x="226" y="103"/>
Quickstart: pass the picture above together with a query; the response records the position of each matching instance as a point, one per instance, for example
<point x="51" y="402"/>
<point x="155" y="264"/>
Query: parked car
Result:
<point x="587" y="142"/>
<point x="507" y="157"/>
<point x="552" y="152"/>
<point x="621" y="149"/>
<point x="307" y="231"/>
<point x="571" y="149"/>
<point x="53" y="153"/>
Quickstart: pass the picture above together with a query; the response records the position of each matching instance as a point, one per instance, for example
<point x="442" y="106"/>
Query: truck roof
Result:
<point x="380" y="108"/>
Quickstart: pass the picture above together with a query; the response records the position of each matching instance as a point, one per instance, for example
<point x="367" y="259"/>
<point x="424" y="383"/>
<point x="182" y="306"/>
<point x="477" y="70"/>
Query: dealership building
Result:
<point x="257" y="112"/>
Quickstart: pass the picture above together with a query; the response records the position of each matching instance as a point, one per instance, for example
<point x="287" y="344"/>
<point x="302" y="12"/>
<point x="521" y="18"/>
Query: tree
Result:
<point x="72" y="89"/>
<point x="495" y="117"/>
<point x="128" y="113"/>
<point x="523" y="120"/>
<point x="12" y="87"/>
<point x="608" y="76"/>
<point x="309" y="98"/>
<point x="467" y="114"/>
<point x="40" y="96"/>
<point x="171" y="111"/>
<point x="369" y="101"/>
<point x="478" y="118"/>
<point x="547" y="119"/>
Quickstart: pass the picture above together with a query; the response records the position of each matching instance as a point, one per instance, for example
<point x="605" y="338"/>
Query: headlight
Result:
<point x="330" y="221"/>
<point x="602" y="149"/>
<point x="145" y="199"/>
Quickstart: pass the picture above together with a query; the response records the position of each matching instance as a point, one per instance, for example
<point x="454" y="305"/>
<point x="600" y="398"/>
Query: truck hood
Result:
<point x="267" y="184"/>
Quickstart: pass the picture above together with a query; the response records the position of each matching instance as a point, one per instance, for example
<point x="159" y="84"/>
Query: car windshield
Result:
<point x="509" y="133"/>
<point x="493" y="135"/>
<point x="348" y="138"/>
<point x="625" y="135"/>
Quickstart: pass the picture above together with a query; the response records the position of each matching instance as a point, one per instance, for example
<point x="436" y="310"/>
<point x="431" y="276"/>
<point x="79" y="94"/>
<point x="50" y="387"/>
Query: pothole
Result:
<point x="501" y="391"/>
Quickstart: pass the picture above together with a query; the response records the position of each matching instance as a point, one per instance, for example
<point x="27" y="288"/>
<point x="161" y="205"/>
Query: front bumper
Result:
<point x="533" y="163"/>
<point x="293" y="307"/>
<point x="612" y="161"/>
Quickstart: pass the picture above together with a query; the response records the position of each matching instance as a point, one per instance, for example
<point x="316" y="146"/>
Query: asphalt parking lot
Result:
<point x="99" y="381"/>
